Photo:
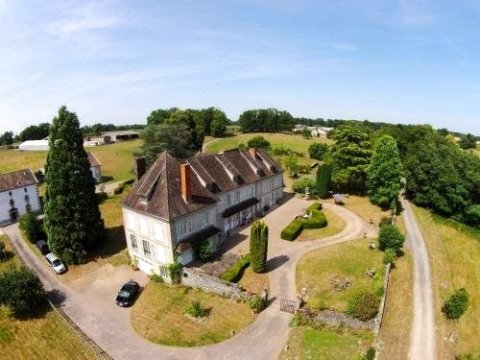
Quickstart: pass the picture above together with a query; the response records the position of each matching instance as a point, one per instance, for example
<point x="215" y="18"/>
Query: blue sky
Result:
<point x="115" y="61"/>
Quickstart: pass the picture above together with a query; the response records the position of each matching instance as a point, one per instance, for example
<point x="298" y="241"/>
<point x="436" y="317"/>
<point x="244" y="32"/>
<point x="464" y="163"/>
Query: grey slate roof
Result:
<point x="158" y="192"/>
<point x="16" y="179"/>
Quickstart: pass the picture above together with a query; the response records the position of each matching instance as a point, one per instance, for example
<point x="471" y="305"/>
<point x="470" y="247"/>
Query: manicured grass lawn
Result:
<point x="454" y="253"/>
<point x="45" y="337"/>
<point x="394" y="338"/>
<point x="350" y="261"/>
<point x="116" y="159"/>
<point x="335" y="225"/>
<point x="159" y="316"/>
<point x="327" y="344"/>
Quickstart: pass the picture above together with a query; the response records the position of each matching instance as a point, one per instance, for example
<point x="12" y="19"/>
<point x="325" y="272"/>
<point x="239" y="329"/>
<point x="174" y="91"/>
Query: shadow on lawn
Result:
<point x="113" y="244"/>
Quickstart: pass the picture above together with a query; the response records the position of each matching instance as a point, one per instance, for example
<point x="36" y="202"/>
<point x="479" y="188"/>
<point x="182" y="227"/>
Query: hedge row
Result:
<point x="292" y="230"/>
<point x="235" y="272"/>
<point x="316" y="220"/>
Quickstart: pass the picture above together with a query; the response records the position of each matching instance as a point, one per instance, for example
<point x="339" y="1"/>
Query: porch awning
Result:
<point x="197" y="237"/>
<point x="239" y="207"/>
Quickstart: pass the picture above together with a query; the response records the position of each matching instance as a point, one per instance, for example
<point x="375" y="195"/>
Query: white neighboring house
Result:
<point x="95" y="167"/>
<point x="178" y="204"/>
<point x="34" y="145"/>
<point x="18" y="194"/>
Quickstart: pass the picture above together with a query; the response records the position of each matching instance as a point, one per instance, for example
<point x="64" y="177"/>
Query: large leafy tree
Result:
<point x="349" y="157"/>
<point x="266" y="120"/>
<point x="72" y="216"/>
<point x="172" y="137"/>
<point x="35" y="132"/>
<point x="384" y="174"/>
<point x="6" y="138"/>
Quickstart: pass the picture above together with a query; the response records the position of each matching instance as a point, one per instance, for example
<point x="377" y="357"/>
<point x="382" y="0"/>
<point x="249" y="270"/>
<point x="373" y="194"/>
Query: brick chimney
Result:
<point x="140" y="167"/>
<point x="185" y="186"/>
<point x="253" y="152"/>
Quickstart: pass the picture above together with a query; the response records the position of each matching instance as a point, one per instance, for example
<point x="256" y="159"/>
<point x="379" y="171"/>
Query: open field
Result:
<point x="454" y="252"/>
<point x="159" y="316"/>
<point x="334" y="226"/>
<point x="293" y="142"/>
<point x="326" y="344"/>
<point x="346" y="262"/>
<point x="47" y="336"/>
<point x="116" y="159"/>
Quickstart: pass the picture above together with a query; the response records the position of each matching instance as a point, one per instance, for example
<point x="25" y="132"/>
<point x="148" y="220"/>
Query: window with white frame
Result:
<point x="147" y="251"/>
<point x="206" y="218"/>
<point x="134" y="242"/>
<point x="229" y="199"/>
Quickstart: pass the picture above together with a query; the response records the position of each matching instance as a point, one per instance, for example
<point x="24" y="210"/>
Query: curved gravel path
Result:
<point x="422" y="337"/>
<point x="90" y="302"/>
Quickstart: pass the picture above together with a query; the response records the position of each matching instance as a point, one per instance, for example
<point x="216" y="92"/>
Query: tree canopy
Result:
<point x="349" y="158"/>
<point x="72" y="217"/>
<point x="384" y="174"/>
<point x="35" y="132"/>
<point x="266" y="120"/>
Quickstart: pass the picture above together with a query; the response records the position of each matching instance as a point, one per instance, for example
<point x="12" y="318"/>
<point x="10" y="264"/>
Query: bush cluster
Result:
<point x="206" y="250"/>
<point x="363" y="306"/>
<point x="22" y="292"/>
<point x="32" y="227"/>
<point x="390" y="237"/>
<point x="301" y="184"/>
<point x="257" y="304"/>
<point x="235" y="272"/>
<point x="316" y="221"/>
<point x="456" y="305"/>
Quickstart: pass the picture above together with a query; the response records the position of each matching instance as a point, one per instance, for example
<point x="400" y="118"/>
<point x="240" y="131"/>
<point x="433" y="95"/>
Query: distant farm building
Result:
<point x="34" y="145"/>
<point x="122" y="135"/>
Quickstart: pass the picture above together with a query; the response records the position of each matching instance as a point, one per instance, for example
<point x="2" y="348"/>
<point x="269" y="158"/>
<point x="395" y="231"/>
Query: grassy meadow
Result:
<point x="454" y="252"/>
<point x="116" y="159"/>
<point x="46" y="336"/>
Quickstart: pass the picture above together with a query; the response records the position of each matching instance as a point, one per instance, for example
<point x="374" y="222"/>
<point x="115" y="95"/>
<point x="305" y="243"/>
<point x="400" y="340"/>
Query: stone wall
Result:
<point x="198" y="279"/>
<point x="379" y="317"/>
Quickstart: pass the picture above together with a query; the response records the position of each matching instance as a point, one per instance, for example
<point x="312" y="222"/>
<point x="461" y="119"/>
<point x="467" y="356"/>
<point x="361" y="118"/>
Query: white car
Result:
<point x="55" y="263"/>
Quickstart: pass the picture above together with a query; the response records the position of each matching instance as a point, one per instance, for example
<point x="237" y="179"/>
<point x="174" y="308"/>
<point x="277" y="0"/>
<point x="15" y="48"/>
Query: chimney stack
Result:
<point x="185" y="182"/>
<point x="140" y="167"/>
<point x="253" y="152"/>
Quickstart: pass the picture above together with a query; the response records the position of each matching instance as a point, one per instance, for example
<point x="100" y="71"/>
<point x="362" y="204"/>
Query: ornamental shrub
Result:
<point x="257" y="304"/>
<point x="32" y="227"/>
<point x="236" y="271"/>
<point x="363" y="306"/>
<point x="259" y="246"/>
<point x="317" y="220"/>
<point x="292" y="230"/>
<point x="196" y="310"/>
<point x="315" y="206"/>
<point x="456" y="305"/>
<point x="206" y="250"/>
<point x="389" y="256"/>
<point x="390" y="237"/>
<point x="324" y="174"/>
<point x="301" y="184"/>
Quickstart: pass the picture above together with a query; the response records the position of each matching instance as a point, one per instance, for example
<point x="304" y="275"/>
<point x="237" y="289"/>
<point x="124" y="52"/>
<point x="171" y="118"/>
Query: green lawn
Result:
<point x="454" y="252"/>
<point x="45" y="337"/>
<point x="159" y="316"/>
<point x="116" y="159"/>
<point x="328" y="344"/>
<point x="347" y="262"/>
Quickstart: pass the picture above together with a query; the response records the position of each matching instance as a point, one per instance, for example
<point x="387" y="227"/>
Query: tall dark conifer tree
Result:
<point x="72" y="217"/>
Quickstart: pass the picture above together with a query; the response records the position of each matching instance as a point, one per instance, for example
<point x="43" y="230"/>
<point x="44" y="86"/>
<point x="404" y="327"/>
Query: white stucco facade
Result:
<point x="16" y="202"/>
<point x="149" y="240"/>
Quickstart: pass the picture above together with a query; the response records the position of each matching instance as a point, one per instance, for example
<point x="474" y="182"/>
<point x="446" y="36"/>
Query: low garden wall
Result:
<point x="197" y="279"/>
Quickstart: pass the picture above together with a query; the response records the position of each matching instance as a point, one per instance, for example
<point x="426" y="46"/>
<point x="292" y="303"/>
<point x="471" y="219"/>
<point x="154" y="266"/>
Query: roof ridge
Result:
<point x="167" y="184"/>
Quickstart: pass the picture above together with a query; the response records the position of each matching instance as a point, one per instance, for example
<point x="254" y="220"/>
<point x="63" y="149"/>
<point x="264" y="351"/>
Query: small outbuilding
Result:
<point x="34" y="145"/>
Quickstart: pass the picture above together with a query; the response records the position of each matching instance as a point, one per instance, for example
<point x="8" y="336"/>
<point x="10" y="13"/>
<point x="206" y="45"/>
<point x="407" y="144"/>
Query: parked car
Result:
<point x="128" y="293"/>
<point x="55" y="263"/>
<point x="42" y="246"/>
